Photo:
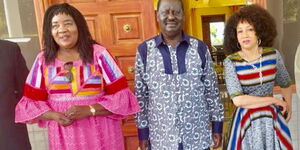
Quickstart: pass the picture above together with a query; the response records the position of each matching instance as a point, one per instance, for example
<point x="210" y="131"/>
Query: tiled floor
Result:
<point x="38" y="136"/>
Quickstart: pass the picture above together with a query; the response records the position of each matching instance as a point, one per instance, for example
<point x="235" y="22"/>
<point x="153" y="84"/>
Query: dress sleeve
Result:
<point x="212" y="93"/>
<point x="34" y="100"/>
<point x="118" y="98"/>
<point x="233" y="84"/>
<point x="282" y="76"/>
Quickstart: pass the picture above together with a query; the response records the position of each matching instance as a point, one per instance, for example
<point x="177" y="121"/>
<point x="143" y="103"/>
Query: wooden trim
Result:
<point x="40" y="7"/>
<point x="151" y="16"/>
<point x="261" y="3"/>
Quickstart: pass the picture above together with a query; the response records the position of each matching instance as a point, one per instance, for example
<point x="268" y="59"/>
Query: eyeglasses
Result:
<point x="68" y="67"/>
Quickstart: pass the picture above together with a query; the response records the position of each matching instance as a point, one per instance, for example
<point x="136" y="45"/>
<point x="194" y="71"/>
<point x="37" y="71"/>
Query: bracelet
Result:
<point x="92" y="110"/>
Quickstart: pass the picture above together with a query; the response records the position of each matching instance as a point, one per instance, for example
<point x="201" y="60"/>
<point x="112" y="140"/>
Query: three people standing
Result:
<point x="77" y="91"/>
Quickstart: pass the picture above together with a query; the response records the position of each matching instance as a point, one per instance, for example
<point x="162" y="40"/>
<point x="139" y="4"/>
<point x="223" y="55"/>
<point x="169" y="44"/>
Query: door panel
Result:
<point x="127" y="66"/>
<point x="127" y="27"/>
<point x="92" y="22"/>
<point x="119" y="25"/>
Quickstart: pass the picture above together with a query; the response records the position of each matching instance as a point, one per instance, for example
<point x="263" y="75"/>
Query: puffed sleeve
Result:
<point x="282" y="76"/>
<point x="233" y="84"/>
<point x="118" y="98"/>
<point x="34" y="100"/>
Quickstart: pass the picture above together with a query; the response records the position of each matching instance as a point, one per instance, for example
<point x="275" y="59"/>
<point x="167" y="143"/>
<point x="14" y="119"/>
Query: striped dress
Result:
<point x="47" y="88"/>
<point x="262" y="128"/>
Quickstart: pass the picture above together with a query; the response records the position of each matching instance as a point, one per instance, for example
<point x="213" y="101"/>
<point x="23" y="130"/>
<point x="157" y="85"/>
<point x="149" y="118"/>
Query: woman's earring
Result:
<point x="259" y="42"/>
<point x="238" y="45"/>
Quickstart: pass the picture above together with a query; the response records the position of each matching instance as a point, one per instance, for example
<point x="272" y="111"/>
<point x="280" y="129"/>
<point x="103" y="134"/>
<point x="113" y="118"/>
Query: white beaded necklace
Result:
<point x="260" y="70"/>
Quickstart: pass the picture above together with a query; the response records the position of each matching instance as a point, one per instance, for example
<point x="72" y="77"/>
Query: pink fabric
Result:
<point x="27" y="110"/>
<point x="117" y="103"/>
<point x="91" y="133"/>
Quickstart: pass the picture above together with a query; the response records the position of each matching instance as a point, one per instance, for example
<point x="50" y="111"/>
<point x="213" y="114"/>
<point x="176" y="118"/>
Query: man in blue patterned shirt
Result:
<point x="176" y="87"/>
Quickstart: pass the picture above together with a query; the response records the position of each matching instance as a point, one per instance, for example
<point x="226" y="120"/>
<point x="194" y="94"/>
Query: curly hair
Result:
<point x="262" y="21"/>
<point x="85" y="41"/>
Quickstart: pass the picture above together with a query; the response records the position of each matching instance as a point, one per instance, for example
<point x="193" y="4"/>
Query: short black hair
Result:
<point x="85" y="41"/>
<point x="158" y="4"/>
<point x="262" y="21"/>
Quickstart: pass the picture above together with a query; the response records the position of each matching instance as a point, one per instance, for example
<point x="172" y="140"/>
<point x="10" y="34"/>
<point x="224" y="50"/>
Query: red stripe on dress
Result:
<point x="60" y="91"/>
<point x="116" y="86"/>
<point x="256" y="75"/>
<point x="81" y="75"/>
<point x="247" y="117"/>
<point x="58" y="69"/>
<point x="43" y="82"/>
<point x="92" y="86"/>
<point x="283" y="140"/>
<point x="34" y="93"/>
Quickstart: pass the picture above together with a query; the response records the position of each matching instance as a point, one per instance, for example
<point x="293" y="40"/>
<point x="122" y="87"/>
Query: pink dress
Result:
<point x="47" y="88"/>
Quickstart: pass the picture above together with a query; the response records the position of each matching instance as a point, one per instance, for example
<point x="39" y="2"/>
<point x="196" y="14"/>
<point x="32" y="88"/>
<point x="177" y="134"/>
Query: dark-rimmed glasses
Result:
<point x="68" y="67"/>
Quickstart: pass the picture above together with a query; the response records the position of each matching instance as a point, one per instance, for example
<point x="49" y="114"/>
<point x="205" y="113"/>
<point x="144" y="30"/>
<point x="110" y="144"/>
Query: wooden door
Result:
<point x="119" y="25"/>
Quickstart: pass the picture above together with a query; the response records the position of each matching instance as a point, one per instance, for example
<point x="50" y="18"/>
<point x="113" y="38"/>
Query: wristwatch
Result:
<point x="92" y="110"/>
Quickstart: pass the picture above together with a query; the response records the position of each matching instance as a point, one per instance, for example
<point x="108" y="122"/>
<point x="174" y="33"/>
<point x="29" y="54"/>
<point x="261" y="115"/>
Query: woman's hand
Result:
<point x="289" y="112"/>
<point x="281" y="103"/>
<point x="56" y="116"/>
<point x="78" y="112"/>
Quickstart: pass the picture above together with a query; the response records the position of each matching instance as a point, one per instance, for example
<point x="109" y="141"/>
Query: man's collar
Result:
<point x="159" y="39"/>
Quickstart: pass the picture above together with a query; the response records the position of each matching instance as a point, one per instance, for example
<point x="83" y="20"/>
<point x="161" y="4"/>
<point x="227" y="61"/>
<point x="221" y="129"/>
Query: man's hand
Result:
<point x="78" y="112"/>
<point x="144" y="144"/>
<point x="217" y="138"/>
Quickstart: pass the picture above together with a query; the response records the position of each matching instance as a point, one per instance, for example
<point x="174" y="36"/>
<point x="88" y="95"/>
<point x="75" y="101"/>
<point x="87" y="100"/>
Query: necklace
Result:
<point x="260" y="70"/>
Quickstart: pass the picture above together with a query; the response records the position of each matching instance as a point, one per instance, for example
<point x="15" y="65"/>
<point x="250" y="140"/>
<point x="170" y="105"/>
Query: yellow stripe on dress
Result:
<point x="75" y="78"/>
<point x="59" y="86"/>
<point x="46" y="77"/>
<point x="87" y="93"/>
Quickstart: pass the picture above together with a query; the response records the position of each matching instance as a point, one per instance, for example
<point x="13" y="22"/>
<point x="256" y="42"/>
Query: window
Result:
<point x="3" y="26"/>
<point x="216" y="33"/>
<point x="18" y="24"/>
<point x="17" y="19"/>
<point x="290" y="10"/>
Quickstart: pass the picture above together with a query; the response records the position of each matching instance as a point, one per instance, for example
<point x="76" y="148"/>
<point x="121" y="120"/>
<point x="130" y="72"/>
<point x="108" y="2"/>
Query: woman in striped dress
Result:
<point x="251" y="71"/>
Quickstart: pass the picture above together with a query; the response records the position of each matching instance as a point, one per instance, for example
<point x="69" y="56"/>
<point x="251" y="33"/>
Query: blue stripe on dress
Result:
<point x="86" y="72"/>
<point x="267" y="62"/>
<point x="236" y="126"/>
<point x="283" y="126"/>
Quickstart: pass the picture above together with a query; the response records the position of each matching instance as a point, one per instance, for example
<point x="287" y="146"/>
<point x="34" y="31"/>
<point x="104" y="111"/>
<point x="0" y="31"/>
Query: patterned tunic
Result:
<point x="264" y="127"/>
<point x="178" y="95"/>
<point x="47" y="88"/>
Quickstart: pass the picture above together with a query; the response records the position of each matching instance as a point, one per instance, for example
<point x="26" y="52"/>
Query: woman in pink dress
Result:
<point x="75" y="87"/>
